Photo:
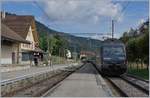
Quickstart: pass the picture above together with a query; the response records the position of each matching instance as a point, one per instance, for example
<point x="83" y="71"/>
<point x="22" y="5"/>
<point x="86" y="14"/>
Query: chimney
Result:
<point x="3" y="14"/>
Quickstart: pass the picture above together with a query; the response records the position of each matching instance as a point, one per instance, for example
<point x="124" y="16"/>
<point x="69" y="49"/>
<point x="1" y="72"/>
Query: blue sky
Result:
<point x="83" y="17"/>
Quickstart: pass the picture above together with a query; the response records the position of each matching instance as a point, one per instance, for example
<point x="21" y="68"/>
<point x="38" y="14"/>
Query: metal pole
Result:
<point x="47" y="42"/>
<point x="112" y="29"/>
<point x="18" y="54"/>
<point x="48" y="50"/>
<point x="59" y="56"/>
<point x="76" y="52"/>
<point x="90" y="44"/>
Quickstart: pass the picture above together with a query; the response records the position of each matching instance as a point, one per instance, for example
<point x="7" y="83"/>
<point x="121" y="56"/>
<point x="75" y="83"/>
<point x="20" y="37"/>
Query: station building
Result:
<point x="10" y="45"/>
<point x="23" y="45"/>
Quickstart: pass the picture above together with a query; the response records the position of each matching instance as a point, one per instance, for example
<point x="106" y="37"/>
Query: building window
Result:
<point x="25" y="56"/>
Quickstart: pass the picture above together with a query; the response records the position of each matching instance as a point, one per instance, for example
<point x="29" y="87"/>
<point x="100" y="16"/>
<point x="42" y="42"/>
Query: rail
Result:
<point x="127" y="89"/>
<point x="139" y="83"/>
<point x="51" y="81"/>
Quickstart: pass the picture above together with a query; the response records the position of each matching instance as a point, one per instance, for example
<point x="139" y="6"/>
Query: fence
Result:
<point x="58" y="60"/>
<point x="139" y="69"/>
<point x="137" y="65"/>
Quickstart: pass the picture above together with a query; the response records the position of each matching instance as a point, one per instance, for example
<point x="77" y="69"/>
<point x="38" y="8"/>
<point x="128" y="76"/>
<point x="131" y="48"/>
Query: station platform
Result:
<point x="8" y="75"/>
<point x="85" y="82"/>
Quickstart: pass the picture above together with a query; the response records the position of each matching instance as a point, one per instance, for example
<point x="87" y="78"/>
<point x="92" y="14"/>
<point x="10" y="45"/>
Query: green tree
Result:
<point x="132" y="50"/>
<point x="58" y="45"/>
<point x="144" y="48"/>
<point x="43" y="43"/>
<point x="52" y="42"/>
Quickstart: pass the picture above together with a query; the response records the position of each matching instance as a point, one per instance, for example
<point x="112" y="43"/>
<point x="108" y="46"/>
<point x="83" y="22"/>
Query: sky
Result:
<point x="83" y="16"/>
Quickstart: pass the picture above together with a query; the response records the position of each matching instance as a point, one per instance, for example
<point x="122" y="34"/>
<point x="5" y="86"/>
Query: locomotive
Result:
<point x="111" y="58"/>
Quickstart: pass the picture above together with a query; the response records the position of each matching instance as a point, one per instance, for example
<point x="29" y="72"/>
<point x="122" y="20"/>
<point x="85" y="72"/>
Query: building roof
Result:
<point x="37" y="49"/>
<point x="21" y="24"/>
<point x="7" y="33"/>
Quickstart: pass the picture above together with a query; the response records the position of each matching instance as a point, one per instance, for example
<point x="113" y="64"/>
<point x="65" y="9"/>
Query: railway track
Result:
<point x="138" y="82"/>
<point x="130" y="75"/>
<point x="128" y="86"/>
<point x="38" y="89"/>
<point x="100" y="83"/>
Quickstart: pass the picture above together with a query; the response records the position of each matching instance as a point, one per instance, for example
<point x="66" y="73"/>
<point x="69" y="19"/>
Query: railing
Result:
<point x="137" y="65"/>
<point x="139" y="69"/>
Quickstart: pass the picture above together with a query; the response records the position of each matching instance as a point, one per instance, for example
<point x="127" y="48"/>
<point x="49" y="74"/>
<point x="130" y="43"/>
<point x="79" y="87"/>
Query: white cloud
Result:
<point x="80" y="10"/>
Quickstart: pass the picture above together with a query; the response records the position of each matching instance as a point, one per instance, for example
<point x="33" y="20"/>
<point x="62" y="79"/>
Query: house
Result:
<point x="68" y="54"/>
<point x="10" y="45"/>
<point x="24" y="26"/>
<point x="87" y="54"/>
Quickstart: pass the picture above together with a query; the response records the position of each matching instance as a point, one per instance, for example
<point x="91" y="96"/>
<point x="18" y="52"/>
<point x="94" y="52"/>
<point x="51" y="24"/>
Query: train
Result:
<point x="110" y="58"/>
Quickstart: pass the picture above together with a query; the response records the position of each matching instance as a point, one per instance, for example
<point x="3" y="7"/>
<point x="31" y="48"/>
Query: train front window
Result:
<point x="113" y="51"/>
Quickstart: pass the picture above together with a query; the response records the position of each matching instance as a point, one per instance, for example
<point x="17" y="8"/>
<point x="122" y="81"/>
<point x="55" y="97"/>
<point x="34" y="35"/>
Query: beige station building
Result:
<point x="19" y="40"/>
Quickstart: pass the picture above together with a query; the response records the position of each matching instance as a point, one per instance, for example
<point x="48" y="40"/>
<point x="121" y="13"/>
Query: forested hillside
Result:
<point x="73" y="42"/>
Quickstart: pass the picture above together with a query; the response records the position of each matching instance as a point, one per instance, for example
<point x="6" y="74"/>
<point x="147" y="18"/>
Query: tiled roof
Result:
<point x="20" y="24"/>
<point x="7" y="33"/>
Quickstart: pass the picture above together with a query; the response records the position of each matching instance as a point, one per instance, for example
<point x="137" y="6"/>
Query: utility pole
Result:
<point x="89" y="42"/>
<point x="48" y="50"/>
<point x="112" y="29"/>
<point x="48" y="43"/>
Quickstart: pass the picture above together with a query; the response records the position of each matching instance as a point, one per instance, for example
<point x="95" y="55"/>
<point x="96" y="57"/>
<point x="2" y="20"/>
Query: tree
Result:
<point x="43" y="43"/>
<point x="52" y="43"/>
<point x="137" y="44"/>
<point x="144" y="44"/>
<point x="125" y="37"/>
<point x="58" y="45"/>
<point x="132" y="50"/>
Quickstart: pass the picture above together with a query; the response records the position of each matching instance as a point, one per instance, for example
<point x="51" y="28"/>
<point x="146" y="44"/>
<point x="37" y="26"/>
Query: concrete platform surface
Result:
<point x="83" y="83"/>
<point x="32" y="70"/>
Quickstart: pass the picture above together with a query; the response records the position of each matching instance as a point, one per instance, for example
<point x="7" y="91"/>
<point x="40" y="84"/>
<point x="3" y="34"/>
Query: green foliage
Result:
<point x="143" y="73"/>
<point x="137" y="45"/>
<point x="125" y="38"/>
<point x="138" y="48"/>
<point x="74" y="43"/>
<point x="52" y="44"/>
<point x="43" y="43"/>
<point x="59" y="45"/>
<point x="132" y="50"/>
<point x="143" y="43"/>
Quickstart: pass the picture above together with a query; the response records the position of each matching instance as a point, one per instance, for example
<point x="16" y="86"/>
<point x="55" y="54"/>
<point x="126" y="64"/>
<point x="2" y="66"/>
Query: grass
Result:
<point x="143" y="73"/>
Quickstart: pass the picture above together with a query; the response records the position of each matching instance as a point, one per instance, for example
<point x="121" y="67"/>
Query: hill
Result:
<point x="75" y="43"/>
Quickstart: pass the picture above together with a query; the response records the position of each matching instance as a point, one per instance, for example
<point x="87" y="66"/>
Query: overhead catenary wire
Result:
<point x="48" y="43"/>
<point x="91" y="34"/>
<point x="35" y="2"/>
<point x="115" y="18"/>
<point x="123" y="10"/>
<point x="45" y="13"/>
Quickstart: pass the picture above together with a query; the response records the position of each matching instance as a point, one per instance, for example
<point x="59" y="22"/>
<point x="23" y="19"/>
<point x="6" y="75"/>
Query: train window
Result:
<point x="110" y="51"/>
